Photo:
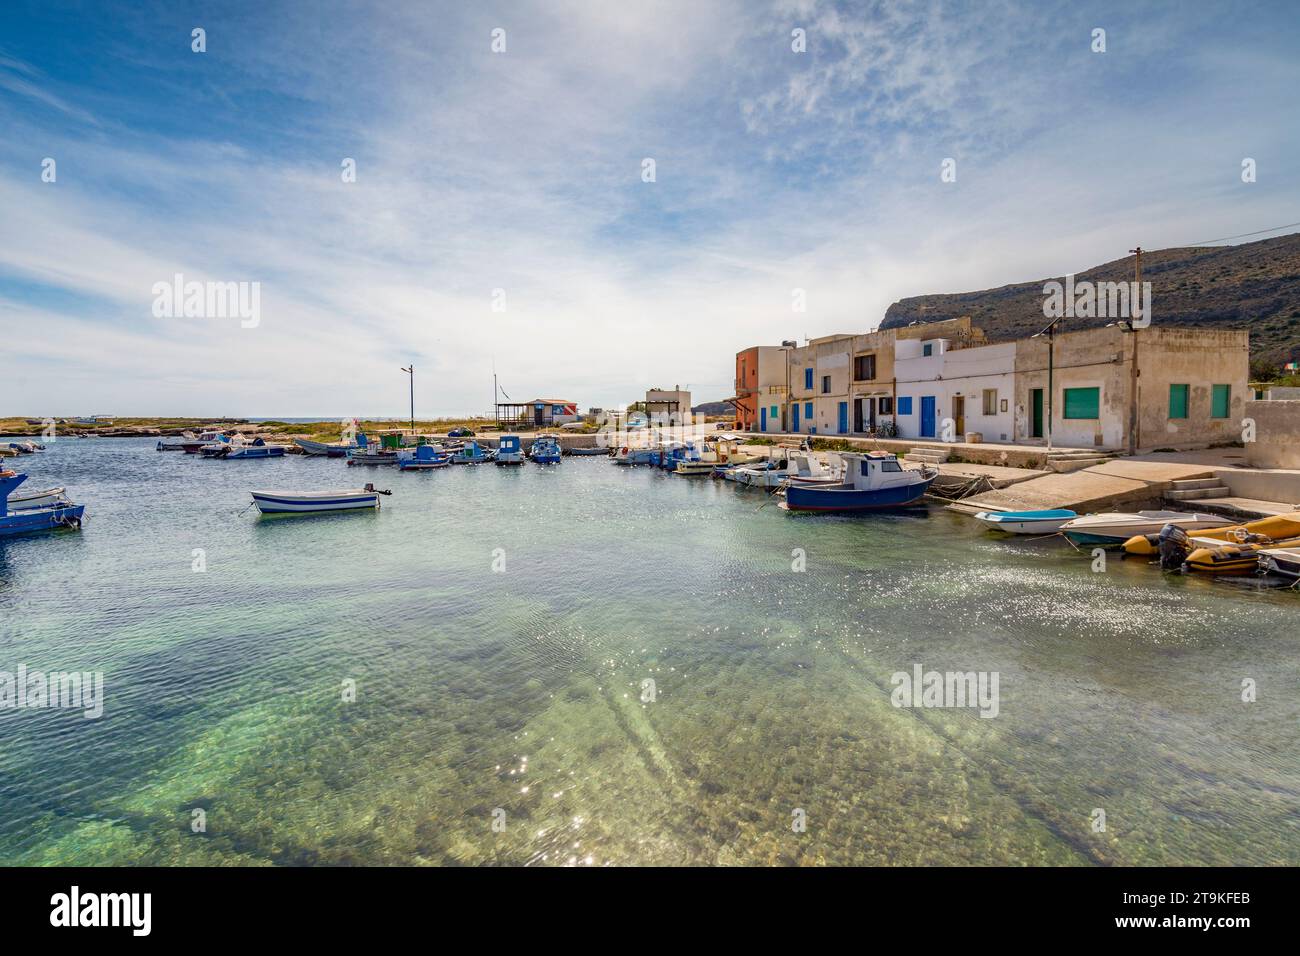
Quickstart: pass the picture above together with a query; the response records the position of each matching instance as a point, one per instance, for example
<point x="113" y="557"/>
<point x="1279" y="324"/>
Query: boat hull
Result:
<point x="41" y="519"/>
<point x="1025" y="522"/>
<point x="1283" y="562"/>
<point x="803" y="497"/>
<point x="269" y="504"/>
<point x="322" y="449"/>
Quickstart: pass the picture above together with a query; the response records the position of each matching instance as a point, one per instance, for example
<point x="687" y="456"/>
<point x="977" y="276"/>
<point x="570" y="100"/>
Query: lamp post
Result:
<point x="411" y="372"/>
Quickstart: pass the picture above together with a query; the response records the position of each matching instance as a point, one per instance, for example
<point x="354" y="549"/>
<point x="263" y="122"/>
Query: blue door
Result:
<point x="794" y="419"/>
<point x="762" y="419"/>
<point x="927" y="416"/>
<point x="844" y="418"/>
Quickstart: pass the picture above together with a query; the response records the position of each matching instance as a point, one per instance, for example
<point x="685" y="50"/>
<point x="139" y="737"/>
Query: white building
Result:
<point x="948" y="393"/>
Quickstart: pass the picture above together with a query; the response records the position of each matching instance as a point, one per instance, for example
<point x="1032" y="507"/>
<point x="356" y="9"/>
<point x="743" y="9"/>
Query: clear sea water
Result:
<point x="515" y="697"/>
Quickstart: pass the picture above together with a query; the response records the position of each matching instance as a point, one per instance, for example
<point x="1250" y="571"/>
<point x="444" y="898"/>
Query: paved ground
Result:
<point x="1113" y="483"/>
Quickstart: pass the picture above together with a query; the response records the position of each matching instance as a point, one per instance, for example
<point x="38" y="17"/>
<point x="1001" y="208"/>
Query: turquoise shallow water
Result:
<point x="516" y="696"/>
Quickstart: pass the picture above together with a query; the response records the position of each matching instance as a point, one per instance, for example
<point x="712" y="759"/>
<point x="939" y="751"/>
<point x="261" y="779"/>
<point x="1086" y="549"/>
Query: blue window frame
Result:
<point x="807" y="379"/>
<point x="905" y="404"/>
<point x="927" y="349"/>
<point x="807" y="411"/>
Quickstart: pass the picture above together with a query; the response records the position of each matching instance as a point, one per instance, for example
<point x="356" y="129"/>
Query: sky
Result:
<point x="500" y="215"/>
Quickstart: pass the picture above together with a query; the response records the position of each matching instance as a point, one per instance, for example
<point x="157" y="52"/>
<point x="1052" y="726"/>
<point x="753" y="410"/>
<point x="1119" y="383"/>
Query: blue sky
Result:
<point x="521" y="171"/>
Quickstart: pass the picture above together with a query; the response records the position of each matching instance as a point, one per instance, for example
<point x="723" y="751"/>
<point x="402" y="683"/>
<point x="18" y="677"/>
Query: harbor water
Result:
<point x="584" y="664"/>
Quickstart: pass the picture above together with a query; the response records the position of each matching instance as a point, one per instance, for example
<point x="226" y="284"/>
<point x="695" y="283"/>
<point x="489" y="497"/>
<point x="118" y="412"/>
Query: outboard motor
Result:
<point x="1174" y="547"/>
<point x="376" y="491"/>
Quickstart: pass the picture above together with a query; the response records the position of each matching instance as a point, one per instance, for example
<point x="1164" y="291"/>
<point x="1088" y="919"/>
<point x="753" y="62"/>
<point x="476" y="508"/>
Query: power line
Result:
<point x="1258" y="232"/>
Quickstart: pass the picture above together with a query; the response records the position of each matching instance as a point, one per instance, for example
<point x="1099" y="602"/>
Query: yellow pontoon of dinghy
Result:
<point x="1232" y="558"/>
<point x="1276" y="527"/>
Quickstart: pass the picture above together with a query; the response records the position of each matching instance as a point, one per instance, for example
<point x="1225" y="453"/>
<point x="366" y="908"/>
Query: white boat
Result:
<point x="311" y="502"/>
<point x="1117" y="527"/>
<point x="324" y="449"/>
<point x="806" y="468"/>
<point x="1027" y="522"/>
<point x="628" y="455"/>
<point x="1284" y="561"/>
<point x="36" y="499"/>
<point x="177" y="442"/>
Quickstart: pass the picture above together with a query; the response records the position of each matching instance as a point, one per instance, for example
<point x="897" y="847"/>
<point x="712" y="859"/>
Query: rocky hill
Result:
<point x="1253" y="286"/>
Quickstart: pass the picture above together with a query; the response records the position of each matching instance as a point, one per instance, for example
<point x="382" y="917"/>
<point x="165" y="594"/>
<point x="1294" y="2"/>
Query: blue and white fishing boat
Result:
<point x="62" y="514"/>
<point x="472" y="454"/>
<point x="424" y="458"/>
<point x="1027" y="522"/>
<point x="510" y="451"/>
<point x="239" y="449"/>
<point x="873" y="481"/>
<point x="545" y="450"/>
<point x="315" y="502"/>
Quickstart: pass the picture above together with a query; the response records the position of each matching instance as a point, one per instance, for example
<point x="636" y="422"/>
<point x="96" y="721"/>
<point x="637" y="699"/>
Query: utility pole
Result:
<point x="411" y="372"/>
<point x="1136" y="297"/>
<point x="1050" y="332"/>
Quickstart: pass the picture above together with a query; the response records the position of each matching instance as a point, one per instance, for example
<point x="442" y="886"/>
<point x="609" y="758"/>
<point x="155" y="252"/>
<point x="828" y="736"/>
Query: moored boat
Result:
<point x="1109" y="529"/>
<point x="545" y="450"/>
<point x="1026" y="522"/>
<point x="424" y="458"/>
<point x="62" y="514"/>
<point x="874" y="481"/>
<point x="510" y="450"/>
<point x="22" y="501"/>
<point x="1211" y="556"/>
<point x="324" y="449"/>
<point x="1283" y="561"/>
<point x="241" y="449"/>
<point x="589" y="452"/>
<point x="315" y="502"/>
<point x="471" y="453"/>
<point x="1276" y="527"/>
<point x="631" y="455"/>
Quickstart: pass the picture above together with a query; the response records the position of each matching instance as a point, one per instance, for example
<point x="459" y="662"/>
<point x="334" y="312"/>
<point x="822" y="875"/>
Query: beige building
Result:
<point x="1132" y="390"/>
<point x="1111" y="388"/>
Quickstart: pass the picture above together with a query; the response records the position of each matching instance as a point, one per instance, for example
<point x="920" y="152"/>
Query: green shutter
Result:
<point x="1177" y="401"/>
<point x="1083" y="403"/>
<point x="1220" y="400"/>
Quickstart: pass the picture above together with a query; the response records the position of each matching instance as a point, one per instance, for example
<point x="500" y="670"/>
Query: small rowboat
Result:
<point x="589" y="451"/>
<point x="314" y="502"/>
<point x="1027" y="522"/>
<point x="338" y="449"/>
<point x="35" y="499"/>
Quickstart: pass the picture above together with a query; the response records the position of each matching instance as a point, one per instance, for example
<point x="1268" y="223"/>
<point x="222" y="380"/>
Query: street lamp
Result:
<point x="411" y="372"/>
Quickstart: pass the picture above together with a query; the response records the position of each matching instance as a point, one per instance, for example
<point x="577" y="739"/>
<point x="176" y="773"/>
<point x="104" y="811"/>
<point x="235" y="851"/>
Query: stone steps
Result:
<point x="1075" y="461"/>
<point x="1194" y="489"/>
<point x="927" y="456"/>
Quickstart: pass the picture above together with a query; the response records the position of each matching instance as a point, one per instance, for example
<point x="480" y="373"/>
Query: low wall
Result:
<point x="1281" y="486"/>
<point x="1277" y="435"/>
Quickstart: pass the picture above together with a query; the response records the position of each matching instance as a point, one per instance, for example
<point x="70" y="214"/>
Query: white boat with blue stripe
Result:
<point x="311" y="502"/>
<point x="1027" y="522"/>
